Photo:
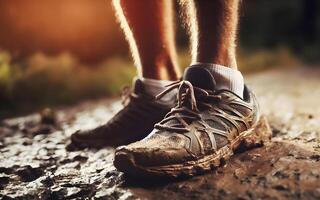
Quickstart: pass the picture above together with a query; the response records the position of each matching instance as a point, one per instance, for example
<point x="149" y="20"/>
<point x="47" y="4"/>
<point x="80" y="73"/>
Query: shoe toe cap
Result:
<point x="128" y="158"/>
<point x="83" y="139"/>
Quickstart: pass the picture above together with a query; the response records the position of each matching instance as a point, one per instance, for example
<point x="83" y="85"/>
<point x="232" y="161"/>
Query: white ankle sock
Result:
<point x="154" y="87"/>
<point x="225" y="77"/>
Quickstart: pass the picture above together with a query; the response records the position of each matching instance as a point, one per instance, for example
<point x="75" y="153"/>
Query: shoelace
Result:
<point x="187" y="109"/>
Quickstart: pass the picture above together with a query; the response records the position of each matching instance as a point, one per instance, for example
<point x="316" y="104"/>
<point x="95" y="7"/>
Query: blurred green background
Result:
<point x="59" y="52"/>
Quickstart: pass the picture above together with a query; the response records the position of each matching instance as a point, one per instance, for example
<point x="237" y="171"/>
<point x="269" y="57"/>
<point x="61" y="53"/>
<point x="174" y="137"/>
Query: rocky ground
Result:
<point x="34" y="163"/>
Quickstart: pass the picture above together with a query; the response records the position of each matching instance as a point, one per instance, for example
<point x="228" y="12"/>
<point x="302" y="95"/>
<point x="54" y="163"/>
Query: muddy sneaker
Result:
<point x="134" y="122"/>
<point x="203" y="129"/>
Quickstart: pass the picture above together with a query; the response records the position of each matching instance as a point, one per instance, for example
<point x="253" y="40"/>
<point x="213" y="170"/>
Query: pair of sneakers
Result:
<point x="183" y="136"/>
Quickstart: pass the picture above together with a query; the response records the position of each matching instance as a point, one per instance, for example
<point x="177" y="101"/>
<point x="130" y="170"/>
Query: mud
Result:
<point x="34" y="163"/>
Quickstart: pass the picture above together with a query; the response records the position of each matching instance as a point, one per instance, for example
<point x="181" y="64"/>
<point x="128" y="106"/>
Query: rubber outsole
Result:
<point x="253" y="137"/>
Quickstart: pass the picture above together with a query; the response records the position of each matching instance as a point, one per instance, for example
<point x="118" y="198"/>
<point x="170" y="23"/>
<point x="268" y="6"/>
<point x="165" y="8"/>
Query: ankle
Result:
<point x="225" y="58"/>
<point x="163" y="68"/>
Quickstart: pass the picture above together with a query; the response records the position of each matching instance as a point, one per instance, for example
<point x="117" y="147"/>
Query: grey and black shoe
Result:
<point x="132" y="123"/>
<point x="205" y="127"/>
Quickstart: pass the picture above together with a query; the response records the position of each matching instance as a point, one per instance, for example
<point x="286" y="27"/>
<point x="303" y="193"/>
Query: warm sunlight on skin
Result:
<point x="128" y="34"/>
<point x="190" y="23"/>
<point x="149" y="28"/>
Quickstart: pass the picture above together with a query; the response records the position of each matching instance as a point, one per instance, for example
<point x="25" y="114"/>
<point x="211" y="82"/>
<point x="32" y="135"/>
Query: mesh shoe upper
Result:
<point x="203" y="121"/>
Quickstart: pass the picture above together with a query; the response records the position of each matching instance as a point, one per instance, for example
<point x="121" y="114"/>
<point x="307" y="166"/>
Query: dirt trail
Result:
<point x="35" y="165"/>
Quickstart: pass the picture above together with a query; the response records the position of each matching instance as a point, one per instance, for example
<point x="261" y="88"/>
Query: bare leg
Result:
<point x="213" y="27"/>
<point x="149" y="29"/>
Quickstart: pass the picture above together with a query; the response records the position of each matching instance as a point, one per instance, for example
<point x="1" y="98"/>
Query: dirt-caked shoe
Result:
<point x="205" y="127"/>
<point x="132" y="123"/>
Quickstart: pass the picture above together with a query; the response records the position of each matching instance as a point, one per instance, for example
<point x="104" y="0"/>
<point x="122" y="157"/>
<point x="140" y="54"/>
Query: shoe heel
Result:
<point x="256" y="137"/>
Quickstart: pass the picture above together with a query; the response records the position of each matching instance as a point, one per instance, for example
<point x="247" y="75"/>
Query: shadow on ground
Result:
<point x="35" y="165"/>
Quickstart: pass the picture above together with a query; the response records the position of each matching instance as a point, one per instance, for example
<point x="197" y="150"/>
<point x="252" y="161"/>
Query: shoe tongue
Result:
<point x="137" y="86"/>
<point x="199" y="77"/>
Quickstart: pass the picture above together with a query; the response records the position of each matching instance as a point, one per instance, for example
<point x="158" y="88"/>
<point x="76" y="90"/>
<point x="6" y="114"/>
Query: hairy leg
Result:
<point x="213" y="27"/>
<point x="149" y="29"/>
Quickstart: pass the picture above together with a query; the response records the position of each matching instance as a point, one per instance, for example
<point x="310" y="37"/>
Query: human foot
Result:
<point x="134" y="122"/>
<point x="204" y="128"/>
